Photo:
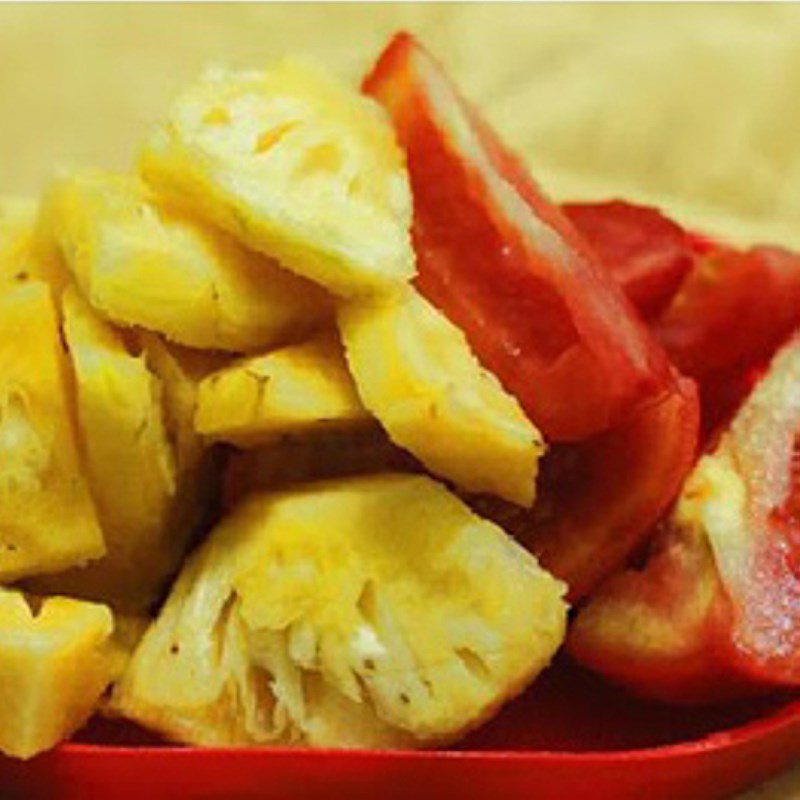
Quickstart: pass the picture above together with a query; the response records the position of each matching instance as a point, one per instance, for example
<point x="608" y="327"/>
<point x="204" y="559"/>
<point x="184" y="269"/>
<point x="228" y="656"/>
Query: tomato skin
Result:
<point x="599" y="499"/>
<point x="507" y="266"/>
<point x="645" y="252"/>
<point x="732" y="313"/>
<point x="720" y="313"/>
<point x="715" y="611"/>
<point x="679" y="592"/>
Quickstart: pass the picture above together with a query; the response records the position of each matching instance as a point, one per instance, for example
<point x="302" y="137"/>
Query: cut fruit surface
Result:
<point x="130" y="465"/>
<point x="47" y="518"/>
<point x="142" y="261"/>
<point x="416" y="373"/>
<point x="507" y="266"/>
<point x="599" y="499"/>
<point x="25" y="253"/>
<point x="17" y="222"/>
<point x="722" y="579"/>
<point x="55" y="663"/>
<point x="296" y="166"/>
<point x="301" y="389"/>
<point x="731" y="314"/>
<point x="404" y="619"/>
<point x="647" y="254"/>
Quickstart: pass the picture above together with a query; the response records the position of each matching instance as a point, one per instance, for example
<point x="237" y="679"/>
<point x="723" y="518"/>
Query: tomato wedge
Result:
<point x="716" y="609"/>
<point x="599" y="499"/>
<point x="731" y="314"/>
<point x="647" y="254"/>
<point x="508" y="267"/>
<point x="720" y="313"/>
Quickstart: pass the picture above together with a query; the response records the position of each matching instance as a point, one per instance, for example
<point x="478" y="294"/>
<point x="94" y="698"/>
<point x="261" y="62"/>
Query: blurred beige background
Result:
<point x="692" y="106"/>
<point x="696" y="107"/>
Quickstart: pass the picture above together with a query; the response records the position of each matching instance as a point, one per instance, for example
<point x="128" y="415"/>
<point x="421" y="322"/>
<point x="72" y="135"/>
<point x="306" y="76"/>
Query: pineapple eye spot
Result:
<point x="21" y="276"/>
<point x="175" y="649"/>
<point x="404" y="698"/>
<point x="270" y="138"/>
<point x="474" y="664"/>
<point x="217" y="116"/>
<point x="367" y="604"/>
<point x="369" y="664"/>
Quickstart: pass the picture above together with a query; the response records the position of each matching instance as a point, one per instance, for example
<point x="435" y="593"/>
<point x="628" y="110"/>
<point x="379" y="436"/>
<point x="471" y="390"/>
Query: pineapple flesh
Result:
<point x="366" y="612"/>
<point x="57" y="657"/>
<point x="295" y="165"/>
<point x="304" y="389"/>
<point x="24" y="254"/>
<point x="130" y="465"/>
<point x="17" y="221"/>
<point x="416" y="373"/>
<point x="142" y="261"/>
<point x="47" y="518"/>
<point x="181" y="372"/>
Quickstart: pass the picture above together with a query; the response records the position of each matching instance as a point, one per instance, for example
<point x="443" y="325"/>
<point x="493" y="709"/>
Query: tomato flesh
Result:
<point x="507" y="266"/>
<point x="647" y="254"/>
<point x="726" y="619"/>
<point x="731" y="314"/>
<point x="599" y="499"/>
<point x="720" y="313"/>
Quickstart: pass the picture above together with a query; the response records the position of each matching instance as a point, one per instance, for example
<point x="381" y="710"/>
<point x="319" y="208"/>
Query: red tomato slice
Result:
<point x="663" y="632"/>
<point x="731" y="314"/>
<point x="647" y="254"/>
<point x="508" y="267"/>
<point x="716" y="611"/>
<point x="599" y="499"/>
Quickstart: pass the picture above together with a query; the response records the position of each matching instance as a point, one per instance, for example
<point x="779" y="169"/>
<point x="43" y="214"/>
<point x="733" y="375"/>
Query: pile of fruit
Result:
<point x="312" y="429"/>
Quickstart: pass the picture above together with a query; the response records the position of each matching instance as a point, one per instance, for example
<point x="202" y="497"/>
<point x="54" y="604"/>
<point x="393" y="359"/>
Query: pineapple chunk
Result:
<point x="141" y="261"/>
<point x="375" y="611"/>
<point x="416" y="373"/>
<point x="297" y="167"/>
<point x="23" y="254"/>
<point x="198" y="467"/>
<point x="47" y="519"/>
<point x="55" y="664"/>
<point x="130" y="465"/>
<point x="303" y="388"/>
<point x="181" y="372"/>
<point x="17" y="221"/>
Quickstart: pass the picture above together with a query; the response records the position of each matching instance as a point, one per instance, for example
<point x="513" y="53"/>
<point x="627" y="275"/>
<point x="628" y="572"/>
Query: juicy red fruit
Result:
<point x="508" y="267"/>
<point x="647" y="254"/>
<point x="716" y="609"/>
<point x="599" y="499"/>
<point x="731" y="314"/>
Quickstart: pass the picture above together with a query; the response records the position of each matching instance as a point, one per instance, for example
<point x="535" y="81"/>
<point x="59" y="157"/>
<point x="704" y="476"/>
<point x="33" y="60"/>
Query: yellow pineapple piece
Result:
<point x="57" y="657"/>
<point x="299" y="389"/>
<point x="376" y="611"/>
<point x="295" y="165"/>
<point x="47" y="519"/>
<point x="141" y="261"/>
<point x="416" y="373"/>
<point x="23" y="255"/>
<point x="181" y="371"/>
<point x="17" y="220"/>
<point x="130" y="465"/>
<point x="198" y="467"/>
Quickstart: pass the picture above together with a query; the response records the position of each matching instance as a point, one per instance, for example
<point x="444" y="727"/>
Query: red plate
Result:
<point x="570" y="736"/>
